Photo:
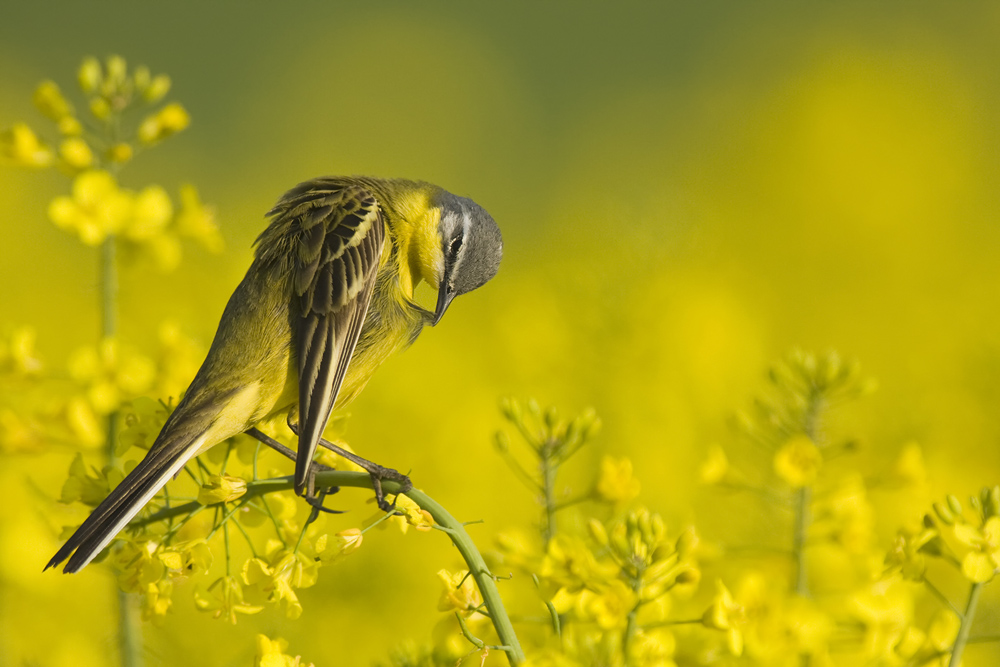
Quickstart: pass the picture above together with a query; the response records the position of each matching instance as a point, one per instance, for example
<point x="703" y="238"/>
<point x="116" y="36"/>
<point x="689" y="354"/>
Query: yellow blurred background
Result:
<point x="686" y="191"/>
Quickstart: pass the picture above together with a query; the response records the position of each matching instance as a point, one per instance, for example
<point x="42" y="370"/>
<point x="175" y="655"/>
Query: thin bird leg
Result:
<point x="374" y="470"/>
<point x="314" y="500"/>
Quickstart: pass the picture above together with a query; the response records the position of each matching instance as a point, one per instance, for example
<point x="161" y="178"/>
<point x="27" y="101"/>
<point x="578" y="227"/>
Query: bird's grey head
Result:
<point x="472" y="248"/>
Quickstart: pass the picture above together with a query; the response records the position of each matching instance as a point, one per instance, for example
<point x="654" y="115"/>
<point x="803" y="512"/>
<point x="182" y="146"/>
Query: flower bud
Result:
<point x="944" y="514"/>
<point x="76" y="153"/>
<point x="50" y="101"/>
<point x="22" y="145"/>
<point x="511" y="409"/>
<point x="502" y="441"/>
<point x="830" y="369"/>
<point x="120" y="153"/>
<point x="551" y="419"/>
<point x="116" y="74"/>
<point x="70" y="126"/>
<point x="171" y="119"/>
<point x="157" y="89"/>
<point x="689" y="575"/>
<point x="89" y="75"/>
<point x="141" y="78"/>
<point x="589" y="423"/>
<point x="991" y="501"/>
<point x="618" y="540"/>
<point x="687" y="542"/>
<point x="100" y="108"/>
<point x="221" y="489"/>
<point x="533" y="408"/>
<point x="598" y="532"/>
<point x="646" y="528"/>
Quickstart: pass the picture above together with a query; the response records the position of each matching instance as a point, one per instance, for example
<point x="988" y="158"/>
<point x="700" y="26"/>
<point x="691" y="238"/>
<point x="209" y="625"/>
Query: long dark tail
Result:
<point x="124" y="502"/>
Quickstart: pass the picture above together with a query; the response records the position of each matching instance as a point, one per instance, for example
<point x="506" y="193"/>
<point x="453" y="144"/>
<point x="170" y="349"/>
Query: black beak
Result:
<point x="445" y="296"/>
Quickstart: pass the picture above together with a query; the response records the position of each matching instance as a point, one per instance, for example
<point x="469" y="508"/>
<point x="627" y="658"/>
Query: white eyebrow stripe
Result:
<point x="466" y="222"/>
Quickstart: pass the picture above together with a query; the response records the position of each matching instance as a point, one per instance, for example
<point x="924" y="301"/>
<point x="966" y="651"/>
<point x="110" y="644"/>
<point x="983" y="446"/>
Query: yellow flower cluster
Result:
<point x="21" y="145"/>
<point x="271" y="653"/>
<point x="763" y="622"/>
<point x="145" y="221"/>
<point x="106" y="376"/>
<point x="37" y="409"/>
<point x="623" y="591"/>
<point x="92" y="150"/>
<point x="616" y="483"/>
<point x="147" y="566"/>
<point x="102" y="140"/>
<point x="224" y="599"/>
<point x="840" y="599"/>
<point x="972" y="544"/>
<point x="20" y="366"/>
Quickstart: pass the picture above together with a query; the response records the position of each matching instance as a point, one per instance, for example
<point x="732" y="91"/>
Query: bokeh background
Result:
<point x="686" y="191"/>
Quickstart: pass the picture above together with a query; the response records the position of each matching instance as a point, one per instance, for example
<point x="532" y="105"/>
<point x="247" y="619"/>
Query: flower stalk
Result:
<point x="802" y="500"/>
<point x="963" y="631"/>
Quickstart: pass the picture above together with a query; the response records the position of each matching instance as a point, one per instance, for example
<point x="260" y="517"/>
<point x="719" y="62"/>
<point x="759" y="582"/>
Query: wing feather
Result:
<point x="340" y="243"/>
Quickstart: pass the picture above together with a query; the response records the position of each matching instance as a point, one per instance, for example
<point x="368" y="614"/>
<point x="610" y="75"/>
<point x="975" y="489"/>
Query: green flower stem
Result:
<point x="109" y="288"/>
<point x="631" y="625"/>
<point x="549" y="469"/>
<point x="802" y="500"/>
<point x="129" y="620"/>
<point x="630" y="628"/>
<point x="963" y="630"/>
<point x="445" y="521"/>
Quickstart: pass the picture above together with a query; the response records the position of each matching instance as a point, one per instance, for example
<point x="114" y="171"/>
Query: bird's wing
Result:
<point x="339" y="237"/>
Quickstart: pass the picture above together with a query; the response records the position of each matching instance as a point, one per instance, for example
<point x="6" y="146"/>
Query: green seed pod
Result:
<point x="944" y="514"/>
<point x="533" y="408"/>
<point x="511" y="409"/>
<point x="687" y="542"/>
<point x="618" y="540"/>
<point x="598" y="532"/>
<point x="551" y="419"/>
<point x="502" y="441"/>
<point x="991" y="501"/>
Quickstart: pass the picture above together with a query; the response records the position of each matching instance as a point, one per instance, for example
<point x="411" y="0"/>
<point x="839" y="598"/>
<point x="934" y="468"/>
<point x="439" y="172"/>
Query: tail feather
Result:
<point x="123" y="503"/>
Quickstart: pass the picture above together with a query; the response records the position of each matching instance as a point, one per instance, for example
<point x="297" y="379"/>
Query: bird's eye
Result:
<point x="453" y="247"/>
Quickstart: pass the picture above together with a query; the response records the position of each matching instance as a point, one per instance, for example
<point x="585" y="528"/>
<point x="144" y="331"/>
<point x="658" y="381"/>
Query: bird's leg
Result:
<point x="314" y="500"/>
<point x="374" y="470"/>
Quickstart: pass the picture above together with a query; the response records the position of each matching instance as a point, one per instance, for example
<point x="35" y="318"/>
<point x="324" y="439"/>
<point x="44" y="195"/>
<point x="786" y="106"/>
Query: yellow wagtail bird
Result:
<point x="328" y="297"/>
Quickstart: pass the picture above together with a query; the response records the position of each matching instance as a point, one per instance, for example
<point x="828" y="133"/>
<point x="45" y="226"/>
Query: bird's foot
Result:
<point x="309" y="493"/>
<point x="377" y="472"/>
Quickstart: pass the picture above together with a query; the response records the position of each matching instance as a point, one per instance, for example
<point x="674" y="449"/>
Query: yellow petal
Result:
<point x="978" y="567"/>
<point x="798" y="461"/>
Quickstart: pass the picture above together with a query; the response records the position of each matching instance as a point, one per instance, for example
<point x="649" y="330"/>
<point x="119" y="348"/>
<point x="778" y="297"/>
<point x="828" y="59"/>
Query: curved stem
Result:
<point x="455" y="530"/>
<point x="477" y="566"/>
